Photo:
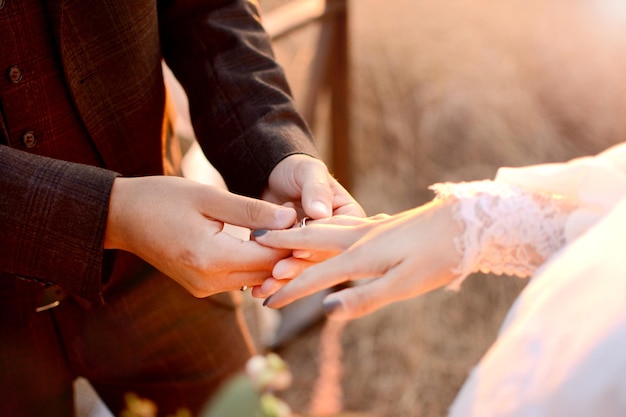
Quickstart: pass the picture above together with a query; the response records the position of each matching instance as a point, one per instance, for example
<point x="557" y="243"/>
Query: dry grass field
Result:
<point x="448" y="90"/>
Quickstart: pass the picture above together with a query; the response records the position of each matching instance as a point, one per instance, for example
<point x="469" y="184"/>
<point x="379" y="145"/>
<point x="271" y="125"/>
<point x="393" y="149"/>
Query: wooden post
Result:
<point x="330" y="69"/>
<point x="340" y="97"/>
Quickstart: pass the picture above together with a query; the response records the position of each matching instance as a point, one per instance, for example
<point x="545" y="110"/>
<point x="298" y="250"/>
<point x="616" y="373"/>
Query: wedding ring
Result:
<point x="303" y="221"/>
<point x="245" y="287"/>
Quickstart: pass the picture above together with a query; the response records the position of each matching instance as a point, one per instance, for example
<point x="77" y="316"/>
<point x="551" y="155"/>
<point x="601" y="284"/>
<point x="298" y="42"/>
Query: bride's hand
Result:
<point x="318" y="241"/>
<point x="404" y="256"/>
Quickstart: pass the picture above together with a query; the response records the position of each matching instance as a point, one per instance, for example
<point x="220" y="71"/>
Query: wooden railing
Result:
<point x="328" y="72"/>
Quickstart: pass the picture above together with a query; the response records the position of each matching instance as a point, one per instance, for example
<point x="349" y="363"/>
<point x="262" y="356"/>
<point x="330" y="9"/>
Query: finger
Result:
<point x="401" y="282"/>
<point x="268" y="287"/>
<point x="360" y="300"/>
<point x="240" y="279"/>
<point x="226" y="263"/>
<point x="343" y="202"/>
<point x="342" y="220"/>
<point x="314" y="238"/>
<point x="246" y="212"/>
<point x="248" y="255"/>
<point x="202" y="286"/>
<point x="317" y="196"/>
<point x="290" y="268"/>
<point x="380" y="217"/>
<point x="256" y="292"/>
<point x="342" y="268"/>
<point x="313" y="256"/>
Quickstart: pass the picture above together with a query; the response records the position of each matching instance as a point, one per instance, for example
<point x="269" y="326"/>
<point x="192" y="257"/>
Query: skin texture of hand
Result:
<point x="305" y="183"/>
<point x="177" y="225"/>
<point x="327" y="238"/>
<point x="401" y="257"/>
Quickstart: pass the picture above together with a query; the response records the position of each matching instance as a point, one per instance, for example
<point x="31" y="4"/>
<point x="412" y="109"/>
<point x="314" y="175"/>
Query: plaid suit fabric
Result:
<point x="150" y="338"/>
<point x="119" y="326"/>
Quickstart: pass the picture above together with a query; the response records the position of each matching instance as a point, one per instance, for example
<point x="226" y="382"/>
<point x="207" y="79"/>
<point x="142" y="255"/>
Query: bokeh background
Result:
<point x="448" y="90"/>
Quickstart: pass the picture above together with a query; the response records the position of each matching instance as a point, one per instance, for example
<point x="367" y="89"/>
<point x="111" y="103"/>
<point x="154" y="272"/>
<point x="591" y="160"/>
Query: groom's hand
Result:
<point x="177" y="225"/>
<point x="305" y="182"/>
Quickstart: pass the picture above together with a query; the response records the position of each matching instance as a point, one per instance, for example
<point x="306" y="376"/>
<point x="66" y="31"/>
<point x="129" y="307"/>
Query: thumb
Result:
<point x="317" y="195"/>
<point x="359" y="300"/>
<point x="248" y="212"/>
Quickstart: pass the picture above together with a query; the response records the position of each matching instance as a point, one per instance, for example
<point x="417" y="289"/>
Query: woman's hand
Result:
<point x="318" y="241"/>
<point x="402" y="257"/>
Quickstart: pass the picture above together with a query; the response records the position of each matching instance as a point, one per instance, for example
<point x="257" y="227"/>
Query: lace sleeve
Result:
<point x="506" y="229"/>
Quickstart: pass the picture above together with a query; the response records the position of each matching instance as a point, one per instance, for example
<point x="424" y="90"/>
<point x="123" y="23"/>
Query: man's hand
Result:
<point x="177" y="224"/>
<point x="305" y="182"/>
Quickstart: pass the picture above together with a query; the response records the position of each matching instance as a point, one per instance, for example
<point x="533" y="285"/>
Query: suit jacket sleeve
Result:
<point x="240" y="104"/>
<point x="52" y="220"/>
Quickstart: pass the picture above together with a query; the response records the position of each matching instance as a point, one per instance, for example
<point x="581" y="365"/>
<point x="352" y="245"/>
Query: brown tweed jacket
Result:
<point x="53" y="213"/>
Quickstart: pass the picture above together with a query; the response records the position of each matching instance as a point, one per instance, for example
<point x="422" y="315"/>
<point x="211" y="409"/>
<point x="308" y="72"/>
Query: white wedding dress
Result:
<point x="561" y="351"/>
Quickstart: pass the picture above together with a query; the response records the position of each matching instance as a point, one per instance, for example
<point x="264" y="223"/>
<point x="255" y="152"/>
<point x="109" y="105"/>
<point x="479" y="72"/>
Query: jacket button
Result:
<point x="29" y="139"/>
<point x="15" y="73"/>
<point x="2" y="3"/>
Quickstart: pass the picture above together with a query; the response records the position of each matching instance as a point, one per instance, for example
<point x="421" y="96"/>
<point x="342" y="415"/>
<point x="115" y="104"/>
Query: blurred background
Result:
<point x="448" y="90"/>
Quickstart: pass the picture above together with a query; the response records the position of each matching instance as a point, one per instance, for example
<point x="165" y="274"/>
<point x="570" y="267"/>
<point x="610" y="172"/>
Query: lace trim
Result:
<point x="506" y="229"/>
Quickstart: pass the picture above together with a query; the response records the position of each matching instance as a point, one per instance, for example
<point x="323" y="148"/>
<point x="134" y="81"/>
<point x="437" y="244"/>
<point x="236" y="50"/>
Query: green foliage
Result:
<point x="252" y="395"/>
<point x="237" y="398"/>
<point x="246" y="395"/>
<point x="142" y="407"/>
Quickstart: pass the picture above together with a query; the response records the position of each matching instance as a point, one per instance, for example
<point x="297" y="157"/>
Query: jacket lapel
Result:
<point x="110" y="54"/>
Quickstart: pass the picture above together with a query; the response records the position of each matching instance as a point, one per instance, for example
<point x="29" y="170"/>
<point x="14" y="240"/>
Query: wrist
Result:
<point x="448" y="229"/>
<point x="114" y="233"/>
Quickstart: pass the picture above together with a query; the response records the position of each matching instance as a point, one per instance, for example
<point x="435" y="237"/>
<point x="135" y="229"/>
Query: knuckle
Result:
<point x="361" y="302"/>
<point x="202" y="286"/>
<point x="193" y="259"/>
<point x="197" y="292"/>
<point x="253" y="209"/>
<point x="361" y="298"/>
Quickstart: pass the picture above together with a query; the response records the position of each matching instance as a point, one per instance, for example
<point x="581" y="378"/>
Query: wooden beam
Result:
<point x="295" y="14"/>
<point x="338" y="78"/>
<point x="329" y="69"/>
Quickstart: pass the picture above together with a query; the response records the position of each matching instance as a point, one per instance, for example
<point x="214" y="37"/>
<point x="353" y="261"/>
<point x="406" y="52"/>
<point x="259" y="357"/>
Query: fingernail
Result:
<point x="285" y="216"/>
<point x="267" y="286"/>
<point x="259" y="232"/>
<point x="302" y="254"/>
<point x="267" y="300"/>
<point x="331" y="306"/>
<point x="321" y="208"/>
<point x="282" y="271"/>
